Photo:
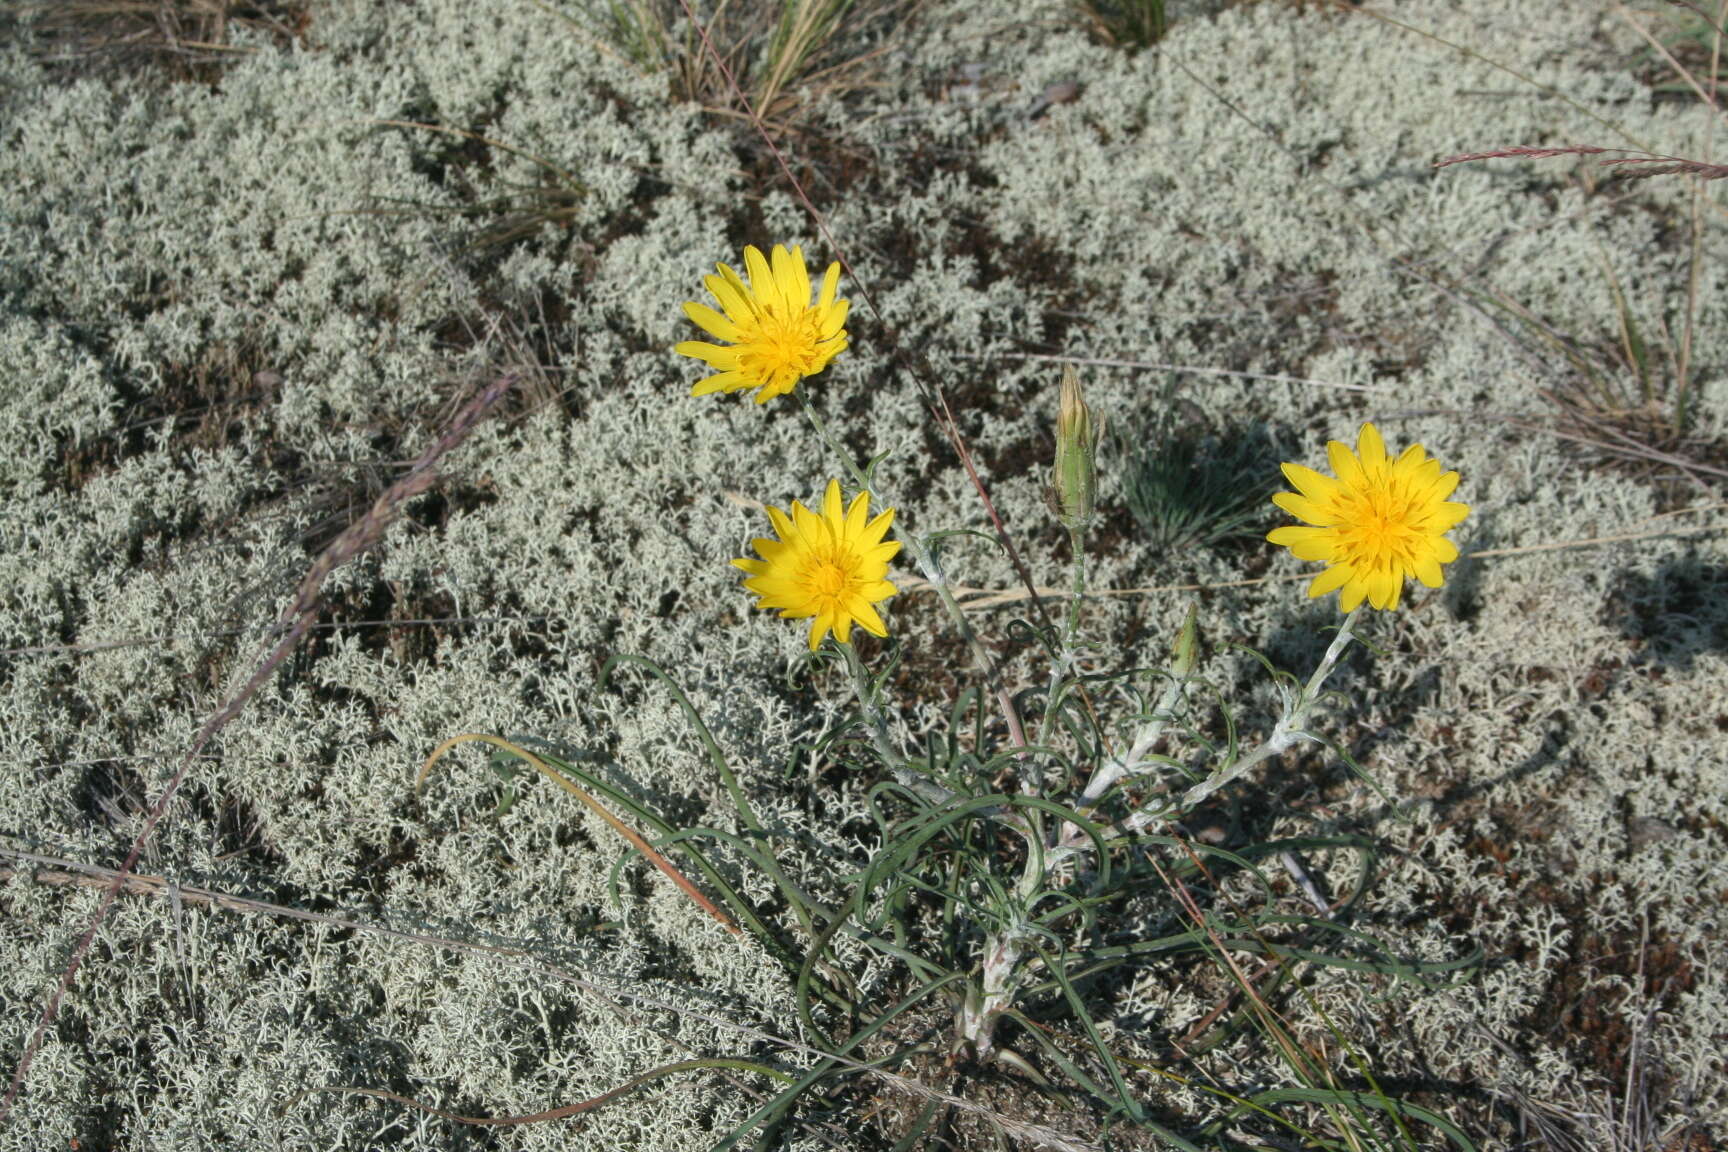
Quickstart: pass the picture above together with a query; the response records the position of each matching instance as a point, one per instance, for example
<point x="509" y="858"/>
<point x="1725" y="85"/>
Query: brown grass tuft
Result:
<point x="191" y="39"/>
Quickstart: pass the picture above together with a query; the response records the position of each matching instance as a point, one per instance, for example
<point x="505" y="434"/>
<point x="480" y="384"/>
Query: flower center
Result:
<point x="1380" y="534"/>
<point x="780" y="345"/>
<point x="830" y="580"/>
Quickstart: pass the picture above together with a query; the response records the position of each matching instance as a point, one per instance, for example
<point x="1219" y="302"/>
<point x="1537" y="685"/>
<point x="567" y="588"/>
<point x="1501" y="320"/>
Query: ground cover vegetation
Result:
<point x="406" y="751"/>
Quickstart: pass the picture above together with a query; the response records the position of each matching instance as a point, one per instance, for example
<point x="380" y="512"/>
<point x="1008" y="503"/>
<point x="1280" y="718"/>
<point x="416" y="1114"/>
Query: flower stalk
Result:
<point x="931" y="569"/>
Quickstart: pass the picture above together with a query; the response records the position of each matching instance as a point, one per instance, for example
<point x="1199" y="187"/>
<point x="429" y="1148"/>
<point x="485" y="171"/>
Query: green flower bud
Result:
<point x="1073" y="489"/>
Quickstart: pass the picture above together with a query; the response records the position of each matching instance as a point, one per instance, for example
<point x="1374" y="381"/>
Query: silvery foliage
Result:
<point x="151" y="229"/>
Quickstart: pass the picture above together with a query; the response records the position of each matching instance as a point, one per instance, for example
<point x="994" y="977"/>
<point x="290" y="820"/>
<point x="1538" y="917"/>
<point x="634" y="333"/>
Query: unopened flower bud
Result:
<point x="1073" y="488"/>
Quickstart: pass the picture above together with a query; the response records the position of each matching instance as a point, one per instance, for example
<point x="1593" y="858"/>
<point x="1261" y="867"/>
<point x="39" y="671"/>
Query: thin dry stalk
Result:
<point x="293" y="625"/>
<point x="978" y="599"/>
<point x="1659" y="165"/>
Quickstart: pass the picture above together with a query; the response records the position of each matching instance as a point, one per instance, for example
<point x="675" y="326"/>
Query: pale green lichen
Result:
<point x="264" y="246"/>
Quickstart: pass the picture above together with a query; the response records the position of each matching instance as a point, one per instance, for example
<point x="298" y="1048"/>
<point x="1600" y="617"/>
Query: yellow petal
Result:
<point x="1449" y="515"/>
<point x="1383" y="590"/>
<point x="826" y="351"/>
<point x="833" y="319"/>
<point x="857" y="516"/>
<point x="1428" y="571"/>
<point x="792" y="279"/>
<point x="830" y="285"/>
<point x="1305" y="543"/>
<point x="807" y="523"/>
<point x="1445" y="551"/>
<point x="734" y="297"/>
<point x="1370" y="447"/>
<point x="724" y="382"/>
<point x="878" y="527"/>
<point x="1443" y="486"/>
<point x="713" y="354"/>
<point x="774" y="388"/>
<point x="761" y="278"/>
<point x="1421" y="475"/>
<point x="1335" y="577"/>
<point x="831" y="506"/>
<point x="712" y="322"/>
<point x="819" y="628"/>
<point x="868" y="618"/>
<point x="1351" y="598"/>
<point x="1310" y="511"/>
<point x="1310" y="483"/>
<point x="1345" y="464"/>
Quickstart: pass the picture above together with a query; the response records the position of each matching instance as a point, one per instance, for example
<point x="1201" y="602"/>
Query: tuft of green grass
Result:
<point x="1189" y="488"/>
<point x="1660" y="423"/>
<point x="1129" y="24"/>
<point x="192" y="39"/>
<point x="782" y="53"/>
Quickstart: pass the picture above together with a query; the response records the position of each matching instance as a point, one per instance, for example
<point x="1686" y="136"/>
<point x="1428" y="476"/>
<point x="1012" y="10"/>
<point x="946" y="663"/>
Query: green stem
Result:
<point x="1065" y="657"/>
<point x="877" y="726"/>
<point x="1289" y="729"/>
<point x="873" y="720"/>
<point x="927" y="564"/>
<point x="1032" y="778"/>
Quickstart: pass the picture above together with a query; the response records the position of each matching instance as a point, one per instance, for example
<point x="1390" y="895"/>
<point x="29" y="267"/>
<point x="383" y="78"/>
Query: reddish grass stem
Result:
<point x="295" y="622"/>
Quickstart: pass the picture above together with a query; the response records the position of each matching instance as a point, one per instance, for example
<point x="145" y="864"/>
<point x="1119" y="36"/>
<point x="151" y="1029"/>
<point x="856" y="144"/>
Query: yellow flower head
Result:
<point x="1378" y="523"/>
<point x="774" y="336"/>
<point x="830" y="566"/>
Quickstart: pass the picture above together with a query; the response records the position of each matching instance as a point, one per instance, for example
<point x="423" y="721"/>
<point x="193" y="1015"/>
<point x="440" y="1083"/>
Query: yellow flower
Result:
<point x="1378" y="523"/>
<point x="829" y="566"/>
<point x="776" y="336"/>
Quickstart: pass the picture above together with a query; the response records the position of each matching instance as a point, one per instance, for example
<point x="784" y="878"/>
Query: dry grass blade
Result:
<point x="978" y="599"/>
<point x="598" y="808"/>
<point x="1659" y="165"/>
<point x="1526" y="153"/>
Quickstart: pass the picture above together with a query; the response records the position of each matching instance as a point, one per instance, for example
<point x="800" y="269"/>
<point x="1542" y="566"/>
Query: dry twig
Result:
<point x="292" y="627"/>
